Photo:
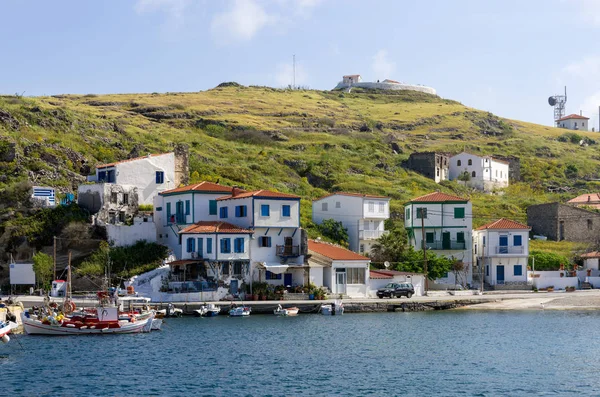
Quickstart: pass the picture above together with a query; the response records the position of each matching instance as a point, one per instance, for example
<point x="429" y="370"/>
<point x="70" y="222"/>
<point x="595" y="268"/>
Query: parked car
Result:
<point x="395" y="290"/>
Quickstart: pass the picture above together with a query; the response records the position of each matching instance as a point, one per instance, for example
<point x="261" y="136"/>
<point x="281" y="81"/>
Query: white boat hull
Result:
<point x="35" y="327"/>
<point x="239" y="312"/>
<point x="156" y="324"/>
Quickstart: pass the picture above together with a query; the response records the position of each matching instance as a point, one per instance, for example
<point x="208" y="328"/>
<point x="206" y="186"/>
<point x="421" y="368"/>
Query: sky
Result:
<point x="504" y="56"/>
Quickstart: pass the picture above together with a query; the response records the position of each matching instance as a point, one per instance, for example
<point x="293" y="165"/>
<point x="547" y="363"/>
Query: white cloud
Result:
<point x="284" y="75"/>
<point x="382" y="66"/>
<point x="240" y="22"/>
<point x="588" y="68"/>
<point x="589" y="10"/>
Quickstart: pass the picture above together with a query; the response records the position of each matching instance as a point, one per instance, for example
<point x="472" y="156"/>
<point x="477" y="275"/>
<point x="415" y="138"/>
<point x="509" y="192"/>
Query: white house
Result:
<point x="445" y="222"/>
<point x="484" y="172"/>
<point x="44" y="194"/>
<point x="573" y="122"/>
<point x="501" y="250"/>
<point x="363" y="216"/>
<point x="342" y="271"/>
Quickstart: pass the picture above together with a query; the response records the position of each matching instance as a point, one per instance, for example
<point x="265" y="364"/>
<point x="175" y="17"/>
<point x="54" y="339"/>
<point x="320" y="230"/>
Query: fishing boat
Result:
<point x="239" y="311"/>
<point x="138" y="306"/>
<point x="208" y="310"/>
<point x="335" y="309"/>
<point x="5" y="328"/>
<point x="290" y="311"/>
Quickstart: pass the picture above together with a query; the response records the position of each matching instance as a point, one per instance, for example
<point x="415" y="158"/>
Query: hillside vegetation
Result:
<point x="303" y="142"/>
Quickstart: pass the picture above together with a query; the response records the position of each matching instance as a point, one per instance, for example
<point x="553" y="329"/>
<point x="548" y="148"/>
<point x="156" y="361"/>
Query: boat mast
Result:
<point x="68" y="294"/>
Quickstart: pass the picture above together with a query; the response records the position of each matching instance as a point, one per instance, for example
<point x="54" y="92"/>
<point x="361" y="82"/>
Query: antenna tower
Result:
<point x="294" y="67"/>
<point x="558" y="101"/>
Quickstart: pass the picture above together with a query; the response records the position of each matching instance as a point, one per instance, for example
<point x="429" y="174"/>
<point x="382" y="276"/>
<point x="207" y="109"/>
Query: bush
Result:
<point x="547" y="260"/>
<point x="334" y="231"/>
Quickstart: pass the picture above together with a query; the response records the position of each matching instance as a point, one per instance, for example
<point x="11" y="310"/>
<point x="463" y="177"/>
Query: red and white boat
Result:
<point x="5" y="328"/>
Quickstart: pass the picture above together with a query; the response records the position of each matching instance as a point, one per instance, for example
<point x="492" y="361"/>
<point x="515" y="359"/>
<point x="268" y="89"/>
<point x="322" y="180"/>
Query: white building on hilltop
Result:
<point x="363" y="216"/>
<point x="574" y="122"/>
<point x="445" y="222"/>
<point x="482" y="172"/>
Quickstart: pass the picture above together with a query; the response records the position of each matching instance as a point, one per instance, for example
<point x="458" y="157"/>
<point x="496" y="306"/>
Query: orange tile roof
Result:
<point x="437" y="197"/>
<point x="128" y="160"/>
<point x="387" y="274"/>
<point x="573" y="116"/>
<point x="593" y="254"/>
<point x="205" y="187"/>
<point x="350" y="194"/>
<point x="214" y="227"/>
<point x="260" y="194"/>
<point x="504" y="224"/>
<point x="376" y="275"/>
<point x="334" y="252"/>
<point x="586" y="198"/>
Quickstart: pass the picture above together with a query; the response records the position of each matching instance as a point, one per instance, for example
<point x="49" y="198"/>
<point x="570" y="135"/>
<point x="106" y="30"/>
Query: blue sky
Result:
<point x="505" y="56"/>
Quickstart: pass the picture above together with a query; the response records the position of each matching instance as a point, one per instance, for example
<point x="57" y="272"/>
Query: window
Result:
<point x="212" y="207"/>
<point x="458" y="163"/>
<point x="421" y="213"/>
<point x="486" y="160"/>
<point x="437" y="172"/>
<point x="338" y="204"/>
<point x="200" y="245"/>
<point x="223" y="212"/>
<point x="487" y="270"/>
<point x="225" y="269"/>
<point x="484" y="241"/>
<point x="110" y="176"/>
<point x="272" y="276"/>
<point x="209" y="245"/>
<point x="518" y="270"/>
<point x="496" y="173"/>
<point x="590" y="224"/>
<point x="473" y="174"/>
<point x="371" y="206"/>
<point x="470" y="162"/>
<point x="101" y="176"/>
<point x="237" y="268"/>
<point x="459" y="212"/>
<point x="225" y="246"/>
<point x="460" y="237"/>
<point x="323" y="206"/>
<point x="381" y="207"/>
<point x="355" y="275"/>
<point x="187" y="207"/>
<point x="125" y="198"/>
<point x="429" y="237"/>
<point x="407" y="214"/>
<point x="475" y="249"/>
<point x="265" y="210"/>
<point x="285" y="210"/>
<point x="168" y="212"/>
<point x="122" y="216"/>
<point x="238" y="245"/>
<point x="191" y="245"/>
<point x="361" y="248"/>
<point x="264" y="241"/>
<point x="113" y="198"/>
<point x="517" y="240"/>
<point x="160" y="177"/>
<point x="241" y="211"/>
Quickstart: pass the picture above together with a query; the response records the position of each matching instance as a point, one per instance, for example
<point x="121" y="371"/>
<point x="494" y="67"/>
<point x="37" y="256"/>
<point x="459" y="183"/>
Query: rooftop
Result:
<point x="503" y="224"/>
<point x="593" y="254"/>
<point x="438" y="197"/>
<point x="352" y="195"/>
<point x="388" y="274"/>
<point x="586" y="198"/>
<point x="260" y="194"/>
<point x="334" y="252"/>
<point x="128" y="160"/>
<point x="573" y="116"/>
<point x="211" y="227"/>
<point x="204" y="187"/>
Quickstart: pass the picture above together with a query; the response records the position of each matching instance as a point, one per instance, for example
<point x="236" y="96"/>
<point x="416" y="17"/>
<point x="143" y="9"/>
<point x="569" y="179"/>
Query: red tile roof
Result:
<point x="260" y="194"/>
<point x="204" y="187"/>
<point x="504" y="224"/>
<point x="128" y="160"/>
<point x="586" y="198"/>
<point x="573" y="116"/>
<point x="437" y="197"/>
<point x="377" y="275"/>
<point x="350" y="194"/>
<point x="334" y="252"/>
<point x="183" y="262"/>
<point x="387" y="274"/>
<point x="593" y="254"/>
<point x="214" y="227"/>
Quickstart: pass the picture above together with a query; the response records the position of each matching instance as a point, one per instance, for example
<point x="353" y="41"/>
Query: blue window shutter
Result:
<point x="187" y="207"/>
<point x="264" y="210"/>
<point x="518" y="270"/>
<point x="268" y="241"/>
<point x="223" y="212"/>
<point x="222" y="245"/>
<point x="286" y="210"/>
<point x="242" y="248"/>
<point x="200" y="245"/>
<point x="209" y="245"/>
<point x="212" y="207"/>
<point x="268" y="275"/>
<point x="517" y="240"/>
<point x="238" y="210"/>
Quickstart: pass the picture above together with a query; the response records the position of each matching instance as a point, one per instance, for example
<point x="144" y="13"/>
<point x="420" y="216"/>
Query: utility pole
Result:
<point x="294" y="67"/>
<point x="54" y="259"/>
<point x="423" y="246"/>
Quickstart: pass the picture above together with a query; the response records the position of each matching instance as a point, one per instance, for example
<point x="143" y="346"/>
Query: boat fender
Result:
<point x="5" y="339"/>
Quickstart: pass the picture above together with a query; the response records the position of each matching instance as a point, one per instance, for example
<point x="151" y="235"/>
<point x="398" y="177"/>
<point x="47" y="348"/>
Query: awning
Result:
<point x="276" y="268"/>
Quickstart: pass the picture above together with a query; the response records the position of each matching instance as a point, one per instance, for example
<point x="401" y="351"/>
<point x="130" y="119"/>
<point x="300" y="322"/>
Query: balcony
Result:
<point x="446" y="245"/>
<point x="370" y="234"/>
<point x="288" y="251"/>
<point x="509" y="250"/>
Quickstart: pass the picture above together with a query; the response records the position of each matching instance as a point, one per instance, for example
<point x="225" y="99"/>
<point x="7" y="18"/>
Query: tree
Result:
<point x="43" y="267"/>
<point x="547" y="260"/>
<point x="390" y="247"/>
<point x="334" y="231"/>
<point x="464" y="176"/>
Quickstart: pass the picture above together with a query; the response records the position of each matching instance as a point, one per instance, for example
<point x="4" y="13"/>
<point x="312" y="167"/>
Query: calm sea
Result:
<point x="388" y="354"/>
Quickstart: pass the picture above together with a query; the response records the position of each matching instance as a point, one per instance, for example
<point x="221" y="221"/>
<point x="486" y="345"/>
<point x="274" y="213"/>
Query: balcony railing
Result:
<point x="509" y="250"/>
<point x="371" y="234"/>
<point x="288" y="250"/>
<point x="446" y="245"/>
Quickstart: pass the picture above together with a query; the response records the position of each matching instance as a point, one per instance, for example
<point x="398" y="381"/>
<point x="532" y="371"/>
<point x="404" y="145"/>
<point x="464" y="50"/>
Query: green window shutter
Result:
<point x="408" y="214"/>
<point x="460" y="237"/>
<point x="429" y="237"/>
<point x="212" y="207"/>
<point x="459" y="212"/>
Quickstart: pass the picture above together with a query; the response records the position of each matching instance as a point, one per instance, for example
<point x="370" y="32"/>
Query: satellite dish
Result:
<point x="552" y="101"/>
<point x="386" y="264"/>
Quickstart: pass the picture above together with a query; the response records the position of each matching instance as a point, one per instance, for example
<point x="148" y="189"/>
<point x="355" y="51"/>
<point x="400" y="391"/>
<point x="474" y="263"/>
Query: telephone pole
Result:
<point x="294" y="68"/>
<point x="54" y="259"/>
<point x="423" y="246"/>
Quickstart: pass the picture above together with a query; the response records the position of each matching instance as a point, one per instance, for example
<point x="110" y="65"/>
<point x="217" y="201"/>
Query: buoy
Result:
<point x="5" y="339"/>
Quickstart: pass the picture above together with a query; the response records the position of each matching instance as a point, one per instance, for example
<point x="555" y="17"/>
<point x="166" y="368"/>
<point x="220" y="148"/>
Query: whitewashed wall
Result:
<point x="122" y="235"/>
<point x="142" y="174"/>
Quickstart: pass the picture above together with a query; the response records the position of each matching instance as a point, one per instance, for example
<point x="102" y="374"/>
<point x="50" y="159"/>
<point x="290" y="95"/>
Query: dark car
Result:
<point x="395" y="290"/>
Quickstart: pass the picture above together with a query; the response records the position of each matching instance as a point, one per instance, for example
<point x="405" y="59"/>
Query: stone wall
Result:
<point x="182" y="171"/>
<point x="425" y="163"/>
<point x="388" y="86"/>
<point x="577" y="224"/>
<point x="514" y="167"/>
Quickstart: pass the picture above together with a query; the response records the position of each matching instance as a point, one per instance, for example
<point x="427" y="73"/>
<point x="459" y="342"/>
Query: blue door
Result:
<point x="503" y="245"/>
<point x="500" y="274"/>
<point x="287" y="279"/>
<point x="233" y="287"/>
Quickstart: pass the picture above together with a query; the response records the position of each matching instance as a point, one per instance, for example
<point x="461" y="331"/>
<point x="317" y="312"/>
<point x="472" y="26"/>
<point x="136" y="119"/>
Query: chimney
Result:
<point x="581" y="113"/>
<point x="589" y="198"/>
<point x="235" y="191"/>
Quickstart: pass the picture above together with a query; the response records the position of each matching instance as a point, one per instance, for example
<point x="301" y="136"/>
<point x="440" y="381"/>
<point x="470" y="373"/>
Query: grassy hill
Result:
<point x="304" y="142"/>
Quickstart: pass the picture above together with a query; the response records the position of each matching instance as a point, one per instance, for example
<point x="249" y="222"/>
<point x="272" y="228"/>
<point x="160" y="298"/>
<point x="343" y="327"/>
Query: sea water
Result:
<point x="464" y="353"/>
